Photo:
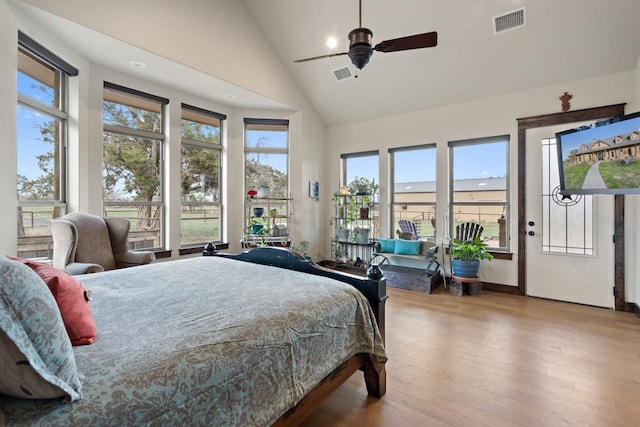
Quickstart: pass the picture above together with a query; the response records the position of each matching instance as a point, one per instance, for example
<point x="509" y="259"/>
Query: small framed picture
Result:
<point x="314" y="189"/>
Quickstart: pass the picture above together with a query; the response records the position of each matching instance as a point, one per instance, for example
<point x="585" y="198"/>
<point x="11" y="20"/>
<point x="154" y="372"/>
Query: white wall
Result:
<point x="480" y="118"/>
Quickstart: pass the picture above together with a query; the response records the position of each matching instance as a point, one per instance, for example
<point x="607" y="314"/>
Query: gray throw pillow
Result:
<point x="36" y="357"/>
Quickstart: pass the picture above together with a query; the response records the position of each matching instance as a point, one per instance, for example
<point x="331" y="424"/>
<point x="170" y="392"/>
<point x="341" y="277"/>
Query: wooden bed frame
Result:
<point x="376" y="293"/>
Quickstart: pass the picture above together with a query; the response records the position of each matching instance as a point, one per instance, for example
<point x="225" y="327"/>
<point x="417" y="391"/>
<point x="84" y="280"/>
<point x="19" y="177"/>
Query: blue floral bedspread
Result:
<point x="207" y="341"/>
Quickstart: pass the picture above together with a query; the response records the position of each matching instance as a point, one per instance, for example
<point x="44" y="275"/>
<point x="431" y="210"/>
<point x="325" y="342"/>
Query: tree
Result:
<point x="200" y="166"/>
<point x="131" y="165"/>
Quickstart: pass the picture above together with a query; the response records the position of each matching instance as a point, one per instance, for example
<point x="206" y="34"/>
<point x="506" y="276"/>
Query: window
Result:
<point x="560" y="211"/>
<point x="413" y="188"/>
<point x="360" y="174"/>
<point x="41" y="144"/>
<point x="479" y="187"/>
<point x="201" y="153"/>
<point x="132" y="162"/>
<point x="267" y="155"/>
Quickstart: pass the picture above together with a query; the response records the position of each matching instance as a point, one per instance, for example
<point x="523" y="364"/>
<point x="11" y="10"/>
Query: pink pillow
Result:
<point x="72" y="301"/>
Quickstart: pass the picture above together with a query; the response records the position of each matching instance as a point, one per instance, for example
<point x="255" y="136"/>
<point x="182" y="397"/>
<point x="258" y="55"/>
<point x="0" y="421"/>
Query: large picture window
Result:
<point x="132" y="162"/>
<point x="267" y="155"/>
<point x="360" y="173"/>
<point x="41" y="144"/>
<point x="479" y="187"/>
<point x="413" y="186"/>
<point x="201" y="174"/>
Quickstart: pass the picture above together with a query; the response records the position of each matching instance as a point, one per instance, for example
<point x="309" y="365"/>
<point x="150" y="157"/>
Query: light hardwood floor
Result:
<point x="497" y="360"/>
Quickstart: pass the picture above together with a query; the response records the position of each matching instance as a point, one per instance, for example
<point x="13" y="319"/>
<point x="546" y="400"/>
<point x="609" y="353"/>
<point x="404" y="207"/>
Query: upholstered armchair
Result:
<point x="85" y="243"/>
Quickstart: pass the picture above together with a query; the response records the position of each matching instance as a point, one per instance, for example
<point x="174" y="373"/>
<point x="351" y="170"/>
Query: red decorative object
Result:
<point x="252" y="192"/>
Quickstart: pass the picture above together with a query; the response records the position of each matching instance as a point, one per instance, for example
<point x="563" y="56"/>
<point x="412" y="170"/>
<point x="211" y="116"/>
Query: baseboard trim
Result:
<point x="496" y="287"/>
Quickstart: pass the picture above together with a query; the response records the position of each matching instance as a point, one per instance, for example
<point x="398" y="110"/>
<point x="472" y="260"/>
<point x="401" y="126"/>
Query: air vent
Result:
<point x="342" y="73"/>
<point x="509" y="21"/>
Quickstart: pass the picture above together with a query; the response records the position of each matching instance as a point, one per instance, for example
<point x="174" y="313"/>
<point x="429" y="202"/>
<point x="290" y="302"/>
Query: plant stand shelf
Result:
<point x="465" y="285"/>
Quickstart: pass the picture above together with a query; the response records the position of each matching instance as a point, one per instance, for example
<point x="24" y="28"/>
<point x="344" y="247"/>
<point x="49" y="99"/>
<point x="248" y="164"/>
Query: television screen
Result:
<point x="601" y="158"/>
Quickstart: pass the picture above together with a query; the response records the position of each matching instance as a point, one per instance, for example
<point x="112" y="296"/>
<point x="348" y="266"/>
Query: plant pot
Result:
<point x="343" y="234"/>
<point x="255" y="228"/>
<point x="467" y="269"/>
<point x="258" y="212"/>
<point x="264" y="191"/>
<point x="361" y="235"/>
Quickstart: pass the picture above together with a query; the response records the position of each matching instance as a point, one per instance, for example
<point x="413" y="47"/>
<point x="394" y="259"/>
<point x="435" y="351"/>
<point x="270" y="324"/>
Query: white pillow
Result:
<point x="40" y="364"/>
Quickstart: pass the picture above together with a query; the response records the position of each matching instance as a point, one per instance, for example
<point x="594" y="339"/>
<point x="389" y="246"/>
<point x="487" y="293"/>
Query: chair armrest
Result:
<point x="76" y="268"/>
<point x="132" y="258"/>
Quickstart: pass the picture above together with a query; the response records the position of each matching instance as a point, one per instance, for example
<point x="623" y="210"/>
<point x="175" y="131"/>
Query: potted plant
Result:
<point x="466" y="256"/>
<point x="259" y="227"/>
<point x="361" y="235"/>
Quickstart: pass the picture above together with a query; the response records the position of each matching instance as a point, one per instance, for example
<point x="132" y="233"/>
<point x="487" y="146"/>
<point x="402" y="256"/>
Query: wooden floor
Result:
<point x="497" y="360"/>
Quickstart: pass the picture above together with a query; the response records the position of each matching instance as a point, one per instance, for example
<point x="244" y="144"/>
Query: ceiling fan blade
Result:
<point x="321" y="56"/>
<point x="417" y="41"/>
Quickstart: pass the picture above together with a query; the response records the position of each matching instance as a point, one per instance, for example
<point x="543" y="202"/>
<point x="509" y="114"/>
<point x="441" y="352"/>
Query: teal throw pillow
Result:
<point x="407" y="247"/>
<point x="387" y="245"/>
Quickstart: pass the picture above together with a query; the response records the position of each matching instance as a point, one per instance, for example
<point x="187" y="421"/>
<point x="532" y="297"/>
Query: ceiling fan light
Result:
<point x="360" y="55"/>
<point x="360" y="49"/>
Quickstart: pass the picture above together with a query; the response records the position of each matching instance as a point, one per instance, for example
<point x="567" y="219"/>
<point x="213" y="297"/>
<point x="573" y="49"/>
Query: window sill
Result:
<point x="198" y="248"/>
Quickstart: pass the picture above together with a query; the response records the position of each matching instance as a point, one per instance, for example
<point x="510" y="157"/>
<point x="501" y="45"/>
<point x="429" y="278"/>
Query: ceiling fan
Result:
<point x="360" y="47"/>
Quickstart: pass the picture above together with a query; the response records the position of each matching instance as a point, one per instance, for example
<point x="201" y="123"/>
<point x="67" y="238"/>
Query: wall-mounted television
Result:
<point x="602" y="158"/>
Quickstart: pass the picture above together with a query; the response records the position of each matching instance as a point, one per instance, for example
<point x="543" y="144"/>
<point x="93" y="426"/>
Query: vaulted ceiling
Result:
<point x="561" y="41"/>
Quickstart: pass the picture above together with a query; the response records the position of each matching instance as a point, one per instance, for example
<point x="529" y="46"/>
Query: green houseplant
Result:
<point x="466" y="256"/>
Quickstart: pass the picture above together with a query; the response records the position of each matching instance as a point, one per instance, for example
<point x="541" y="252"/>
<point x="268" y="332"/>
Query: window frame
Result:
<point x="505" y="205"/>
<point x="394" y="204"/>
<point x="160" y="138"/>
<point x="375" y="213"/>
<point x="248" y="122"/>
<point x="33" y="51"/>
<point x="208" y="146"/>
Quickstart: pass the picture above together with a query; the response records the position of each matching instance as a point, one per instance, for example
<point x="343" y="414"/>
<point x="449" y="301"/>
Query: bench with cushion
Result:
<point x="410" y="264"/>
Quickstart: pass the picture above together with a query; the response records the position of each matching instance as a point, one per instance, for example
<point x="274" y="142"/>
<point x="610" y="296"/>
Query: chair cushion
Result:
<point x="407" y="247"/>
<point x="37" y="357"/>
<point x="387" y="245"/>
<point x="72" y="300"/>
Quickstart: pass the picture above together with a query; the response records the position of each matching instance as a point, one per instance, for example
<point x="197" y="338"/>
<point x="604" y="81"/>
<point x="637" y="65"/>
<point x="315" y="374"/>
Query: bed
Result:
<point x="215" y="341"/>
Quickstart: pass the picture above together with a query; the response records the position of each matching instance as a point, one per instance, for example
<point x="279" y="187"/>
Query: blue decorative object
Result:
<point x="407" y="247"/>
<point x="387" y="245"/>
<point x="468" y="269"/>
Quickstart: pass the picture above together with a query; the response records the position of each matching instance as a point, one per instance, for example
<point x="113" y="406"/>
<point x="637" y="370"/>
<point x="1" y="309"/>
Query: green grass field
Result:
<point x="574" y="175"/>
<point x="196" y="225"/>
<point x="614" y="174"/>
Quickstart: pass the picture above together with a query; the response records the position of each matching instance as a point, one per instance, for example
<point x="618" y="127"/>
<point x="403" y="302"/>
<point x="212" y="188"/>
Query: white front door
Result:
<point x="570" y="250"/>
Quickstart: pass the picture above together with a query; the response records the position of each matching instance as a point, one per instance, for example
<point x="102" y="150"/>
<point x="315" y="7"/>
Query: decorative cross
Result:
<point x="565" y="98"/>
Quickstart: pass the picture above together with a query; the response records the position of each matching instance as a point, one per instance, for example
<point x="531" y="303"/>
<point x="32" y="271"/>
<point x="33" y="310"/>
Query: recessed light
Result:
<point x="332" y="42"/>
<point x="229" y="96"/>
<point x="138" y="64"/>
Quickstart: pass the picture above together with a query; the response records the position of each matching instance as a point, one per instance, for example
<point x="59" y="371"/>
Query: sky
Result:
<point x="472" y="161"/>
<point x="29" y="123"/>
